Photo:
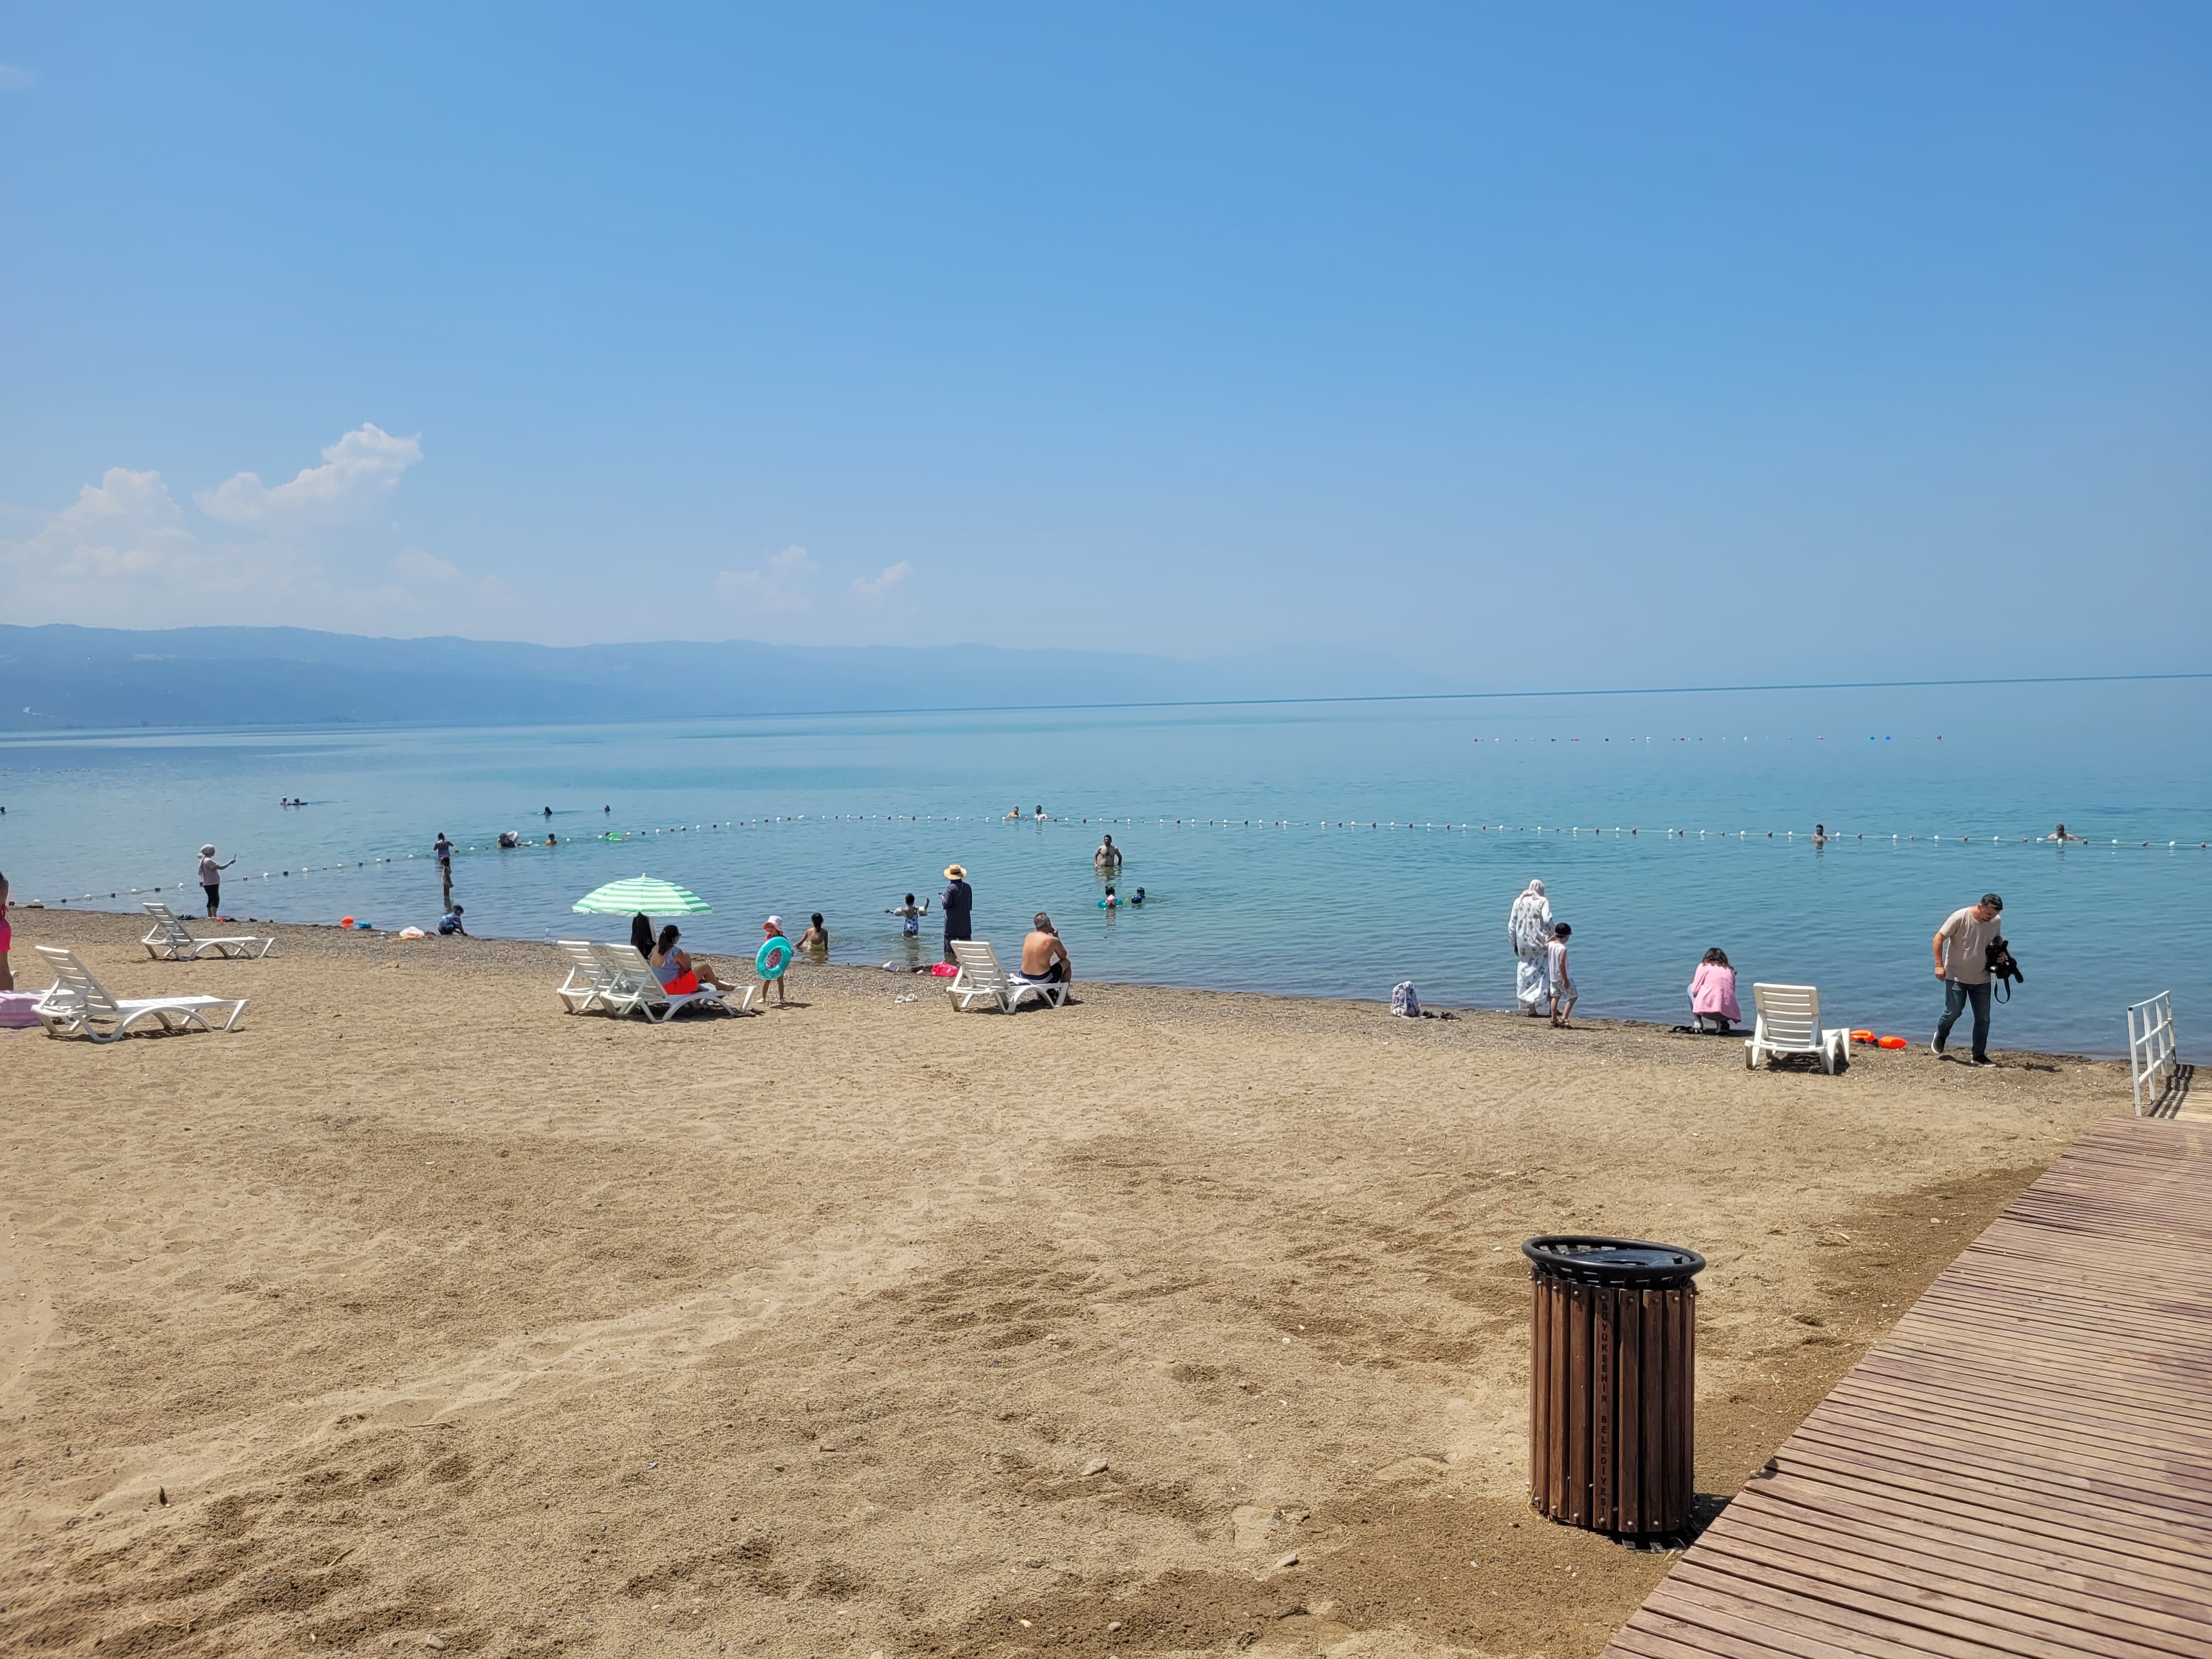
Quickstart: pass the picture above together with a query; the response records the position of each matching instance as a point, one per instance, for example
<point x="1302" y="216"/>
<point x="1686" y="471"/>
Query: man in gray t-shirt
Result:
<point x="1962" y="962"/>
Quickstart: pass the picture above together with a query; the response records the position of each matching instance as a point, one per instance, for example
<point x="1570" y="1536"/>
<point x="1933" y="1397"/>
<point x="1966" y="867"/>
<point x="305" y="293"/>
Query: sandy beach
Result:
<point x="417" y="1313"/>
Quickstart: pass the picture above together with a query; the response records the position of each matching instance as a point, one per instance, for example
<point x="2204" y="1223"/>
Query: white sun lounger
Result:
<point x="77" y="1005"/>
<point x="587" y="975"/>
<point x="627" y="985"/>
<point x="981" y="979"/>
<point x="1788" y="1022"/>
<point x="170" y="940"/>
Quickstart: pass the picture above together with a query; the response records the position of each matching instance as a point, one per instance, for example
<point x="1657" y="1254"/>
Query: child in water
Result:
<point x="910" y="915"/>
<point x="1109" y="902"/>
<point x="1137" y="897"/>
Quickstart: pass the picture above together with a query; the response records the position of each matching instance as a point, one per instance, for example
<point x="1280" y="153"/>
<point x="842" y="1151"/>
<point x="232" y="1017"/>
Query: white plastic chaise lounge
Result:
<point x="77" y="1005"/>
<point x="981" y="979"/>
<point x="170" y="940"/>
<point x="1788" y="1022"/>
<point x="628" y="985"/>
<point x="588" y="975"/>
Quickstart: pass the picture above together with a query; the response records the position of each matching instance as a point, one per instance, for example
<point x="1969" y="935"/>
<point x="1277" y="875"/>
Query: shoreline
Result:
<point x="416" y="1306"/>
<point x="332" y="932"/>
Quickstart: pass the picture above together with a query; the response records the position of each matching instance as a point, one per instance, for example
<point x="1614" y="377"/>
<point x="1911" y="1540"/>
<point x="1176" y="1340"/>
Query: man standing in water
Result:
<point x="958" y="900"/>
<point x="1108" y="857"/>
<point x="1962" y="962"/>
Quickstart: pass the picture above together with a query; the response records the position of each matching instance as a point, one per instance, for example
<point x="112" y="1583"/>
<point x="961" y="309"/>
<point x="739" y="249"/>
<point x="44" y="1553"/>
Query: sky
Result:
<point x="1524" y="346"/>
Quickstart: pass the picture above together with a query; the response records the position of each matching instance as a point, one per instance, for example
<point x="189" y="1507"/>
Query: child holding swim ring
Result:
<point x="773" y="928"/>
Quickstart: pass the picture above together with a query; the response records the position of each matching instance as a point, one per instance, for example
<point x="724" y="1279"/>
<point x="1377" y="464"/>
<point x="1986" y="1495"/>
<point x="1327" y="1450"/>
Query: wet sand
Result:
<point x="416" y="1312"/>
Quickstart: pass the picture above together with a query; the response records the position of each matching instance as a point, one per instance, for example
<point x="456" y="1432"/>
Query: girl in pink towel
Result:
<point x="1712" y="994"/>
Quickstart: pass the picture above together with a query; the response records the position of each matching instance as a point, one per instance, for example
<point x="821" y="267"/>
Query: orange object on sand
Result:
<point x="1862" y="1037"/>
<point x="1894" y="1042"/>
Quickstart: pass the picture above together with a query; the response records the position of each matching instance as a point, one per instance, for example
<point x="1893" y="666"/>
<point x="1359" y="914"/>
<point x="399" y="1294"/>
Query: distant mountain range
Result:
<point x="60" y="676"/>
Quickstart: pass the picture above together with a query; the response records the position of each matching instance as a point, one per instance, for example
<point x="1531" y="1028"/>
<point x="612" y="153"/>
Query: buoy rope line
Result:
<point x="623" y="837"/>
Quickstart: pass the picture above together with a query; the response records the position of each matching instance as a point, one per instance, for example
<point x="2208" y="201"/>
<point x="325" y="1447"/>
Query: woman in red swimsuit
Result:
<point x="680" y="975"/>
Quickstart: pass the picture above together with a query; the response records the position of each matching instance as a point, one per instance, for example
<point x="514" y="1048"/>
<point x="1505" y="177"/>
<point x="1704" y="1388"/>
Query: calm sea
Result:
<point x="1235" y="821"/>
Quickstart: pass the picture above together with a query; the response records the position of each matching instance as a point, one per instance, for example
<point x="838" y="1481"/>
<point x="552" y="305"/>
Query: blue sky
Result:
<point x="1524" y="345"/>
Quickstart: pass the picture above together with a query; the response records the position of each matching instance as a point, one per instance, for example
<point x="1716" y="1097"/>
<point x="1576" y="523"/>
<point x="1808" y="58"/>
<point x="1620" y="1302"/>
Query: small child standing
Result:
<point x="773" y="928"/>
<point x="1712" y="994"/>
<point x="910" y="915"/>
<point x="1564" y="991"/>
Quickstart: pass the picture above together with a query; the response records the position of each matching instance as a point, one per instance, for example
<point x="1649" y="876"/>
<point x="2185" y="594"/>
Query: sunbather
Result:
<point x="678" y="974"/>
<point x="1043" y="957"/>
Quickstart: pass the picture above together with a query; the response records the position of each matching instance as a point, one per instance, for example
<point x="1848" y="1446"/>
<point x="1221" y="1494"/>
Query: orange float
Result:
<point x="1893" y="1042"/>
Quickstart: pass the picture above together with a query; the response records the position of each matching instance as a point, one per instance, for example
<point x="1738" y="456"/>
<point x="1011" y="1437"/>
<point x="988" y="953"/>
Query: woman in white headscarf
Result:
<point x="1529" y="929"/>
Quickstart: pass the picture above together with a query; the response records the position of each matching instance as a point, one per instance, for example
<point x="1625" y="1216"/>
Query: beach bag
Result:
<point x="2004" y="972"/>
<point x="1405" y="1001"/>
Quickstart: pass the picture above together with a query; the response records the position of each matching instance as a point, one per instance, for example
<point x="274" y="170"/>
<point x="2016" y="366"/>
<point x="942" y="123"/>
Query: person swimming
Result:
<point x="1137" y="897"/>
<point x="1109" y="902"/>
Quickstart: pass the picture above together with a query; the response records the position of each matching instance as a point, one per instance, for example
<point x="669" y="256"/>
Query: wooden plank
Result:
<point x="1924" y="1585"/>
<point x="2053" y="1550"/>
<point x="2076" y="1599"/>
<point x="2023" y="1466"/>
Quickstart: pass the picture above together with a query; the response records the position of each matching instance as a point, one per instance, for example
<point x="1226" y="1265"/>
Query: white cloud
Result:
<point x="360" y="468"/>
<point x="876" y="589"/>
<point x="13" y="79"/>
<point x="422" y="566"/>
<point x="774" y="590"/>
<point x="126" y="554"/>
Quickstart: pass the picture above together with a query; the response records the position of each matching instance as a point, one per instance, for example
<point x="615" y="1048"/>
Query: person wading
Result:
<point x="1529" y="927"/>
<point x="959" y="903"/>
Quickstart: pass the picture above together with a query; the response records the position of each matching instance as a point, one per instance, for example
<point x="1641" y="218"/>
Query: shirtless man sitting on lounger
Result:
<point x="1043" y="957"/>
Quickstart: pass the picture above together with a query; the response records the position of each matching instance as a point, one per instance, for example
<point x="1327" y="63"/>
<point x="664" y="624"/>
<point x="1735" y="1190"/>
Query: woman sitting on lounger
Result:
<point x="680" y="975"/>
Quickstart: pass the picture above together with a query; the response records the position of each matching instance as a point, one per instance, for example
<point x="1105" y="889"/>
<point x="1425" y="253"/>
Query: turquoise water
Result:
<point x="1259" y="886"/>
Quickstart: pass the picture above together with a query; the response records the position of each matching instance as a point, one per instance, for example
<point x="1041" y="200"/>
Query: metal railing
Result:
<point x="2152" y="1062"/>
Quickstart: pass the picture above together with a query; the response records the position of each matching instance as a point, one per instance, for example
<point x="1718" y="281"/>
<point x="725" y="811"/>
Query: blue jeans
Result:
<point x="1956" y="998"/>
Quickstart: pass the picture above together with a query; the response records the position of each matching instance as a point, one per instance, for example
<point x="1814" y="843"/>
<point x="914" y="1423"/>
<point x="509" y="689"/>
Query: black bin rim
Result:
<point x="1593" y="1259"/>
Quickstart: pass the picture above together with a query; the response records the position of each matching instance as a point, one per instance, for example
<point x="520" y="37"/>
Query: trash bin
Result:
<point x="1612" y="1375"/>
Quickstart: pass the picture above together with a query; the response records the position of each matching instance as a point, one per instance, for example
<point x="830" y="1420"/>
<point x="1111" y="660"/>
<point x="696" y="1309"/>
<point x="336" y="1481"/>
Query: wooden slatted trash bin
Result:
<point x="1612" y="1375"/>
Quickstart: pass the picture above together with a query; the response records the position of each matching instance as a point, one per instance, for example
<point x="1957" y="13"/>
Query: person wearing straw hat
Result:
<point x="958" y="901"/>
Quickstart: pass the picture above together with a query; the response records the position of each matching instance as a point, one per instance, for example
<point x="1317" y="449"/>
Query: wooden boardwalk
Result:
<point x="2022" y="1467"/>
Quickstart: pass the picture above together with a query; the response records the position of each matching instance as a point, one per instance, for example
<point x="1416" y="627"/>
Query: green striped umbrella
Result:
<point x="649" y="893"/>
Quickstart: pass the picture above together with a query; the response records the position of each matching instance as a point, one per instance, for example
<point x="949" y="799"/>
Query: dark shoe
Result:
<point x="1981" y="1060"/>
<point x="1934" y="1045"/>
